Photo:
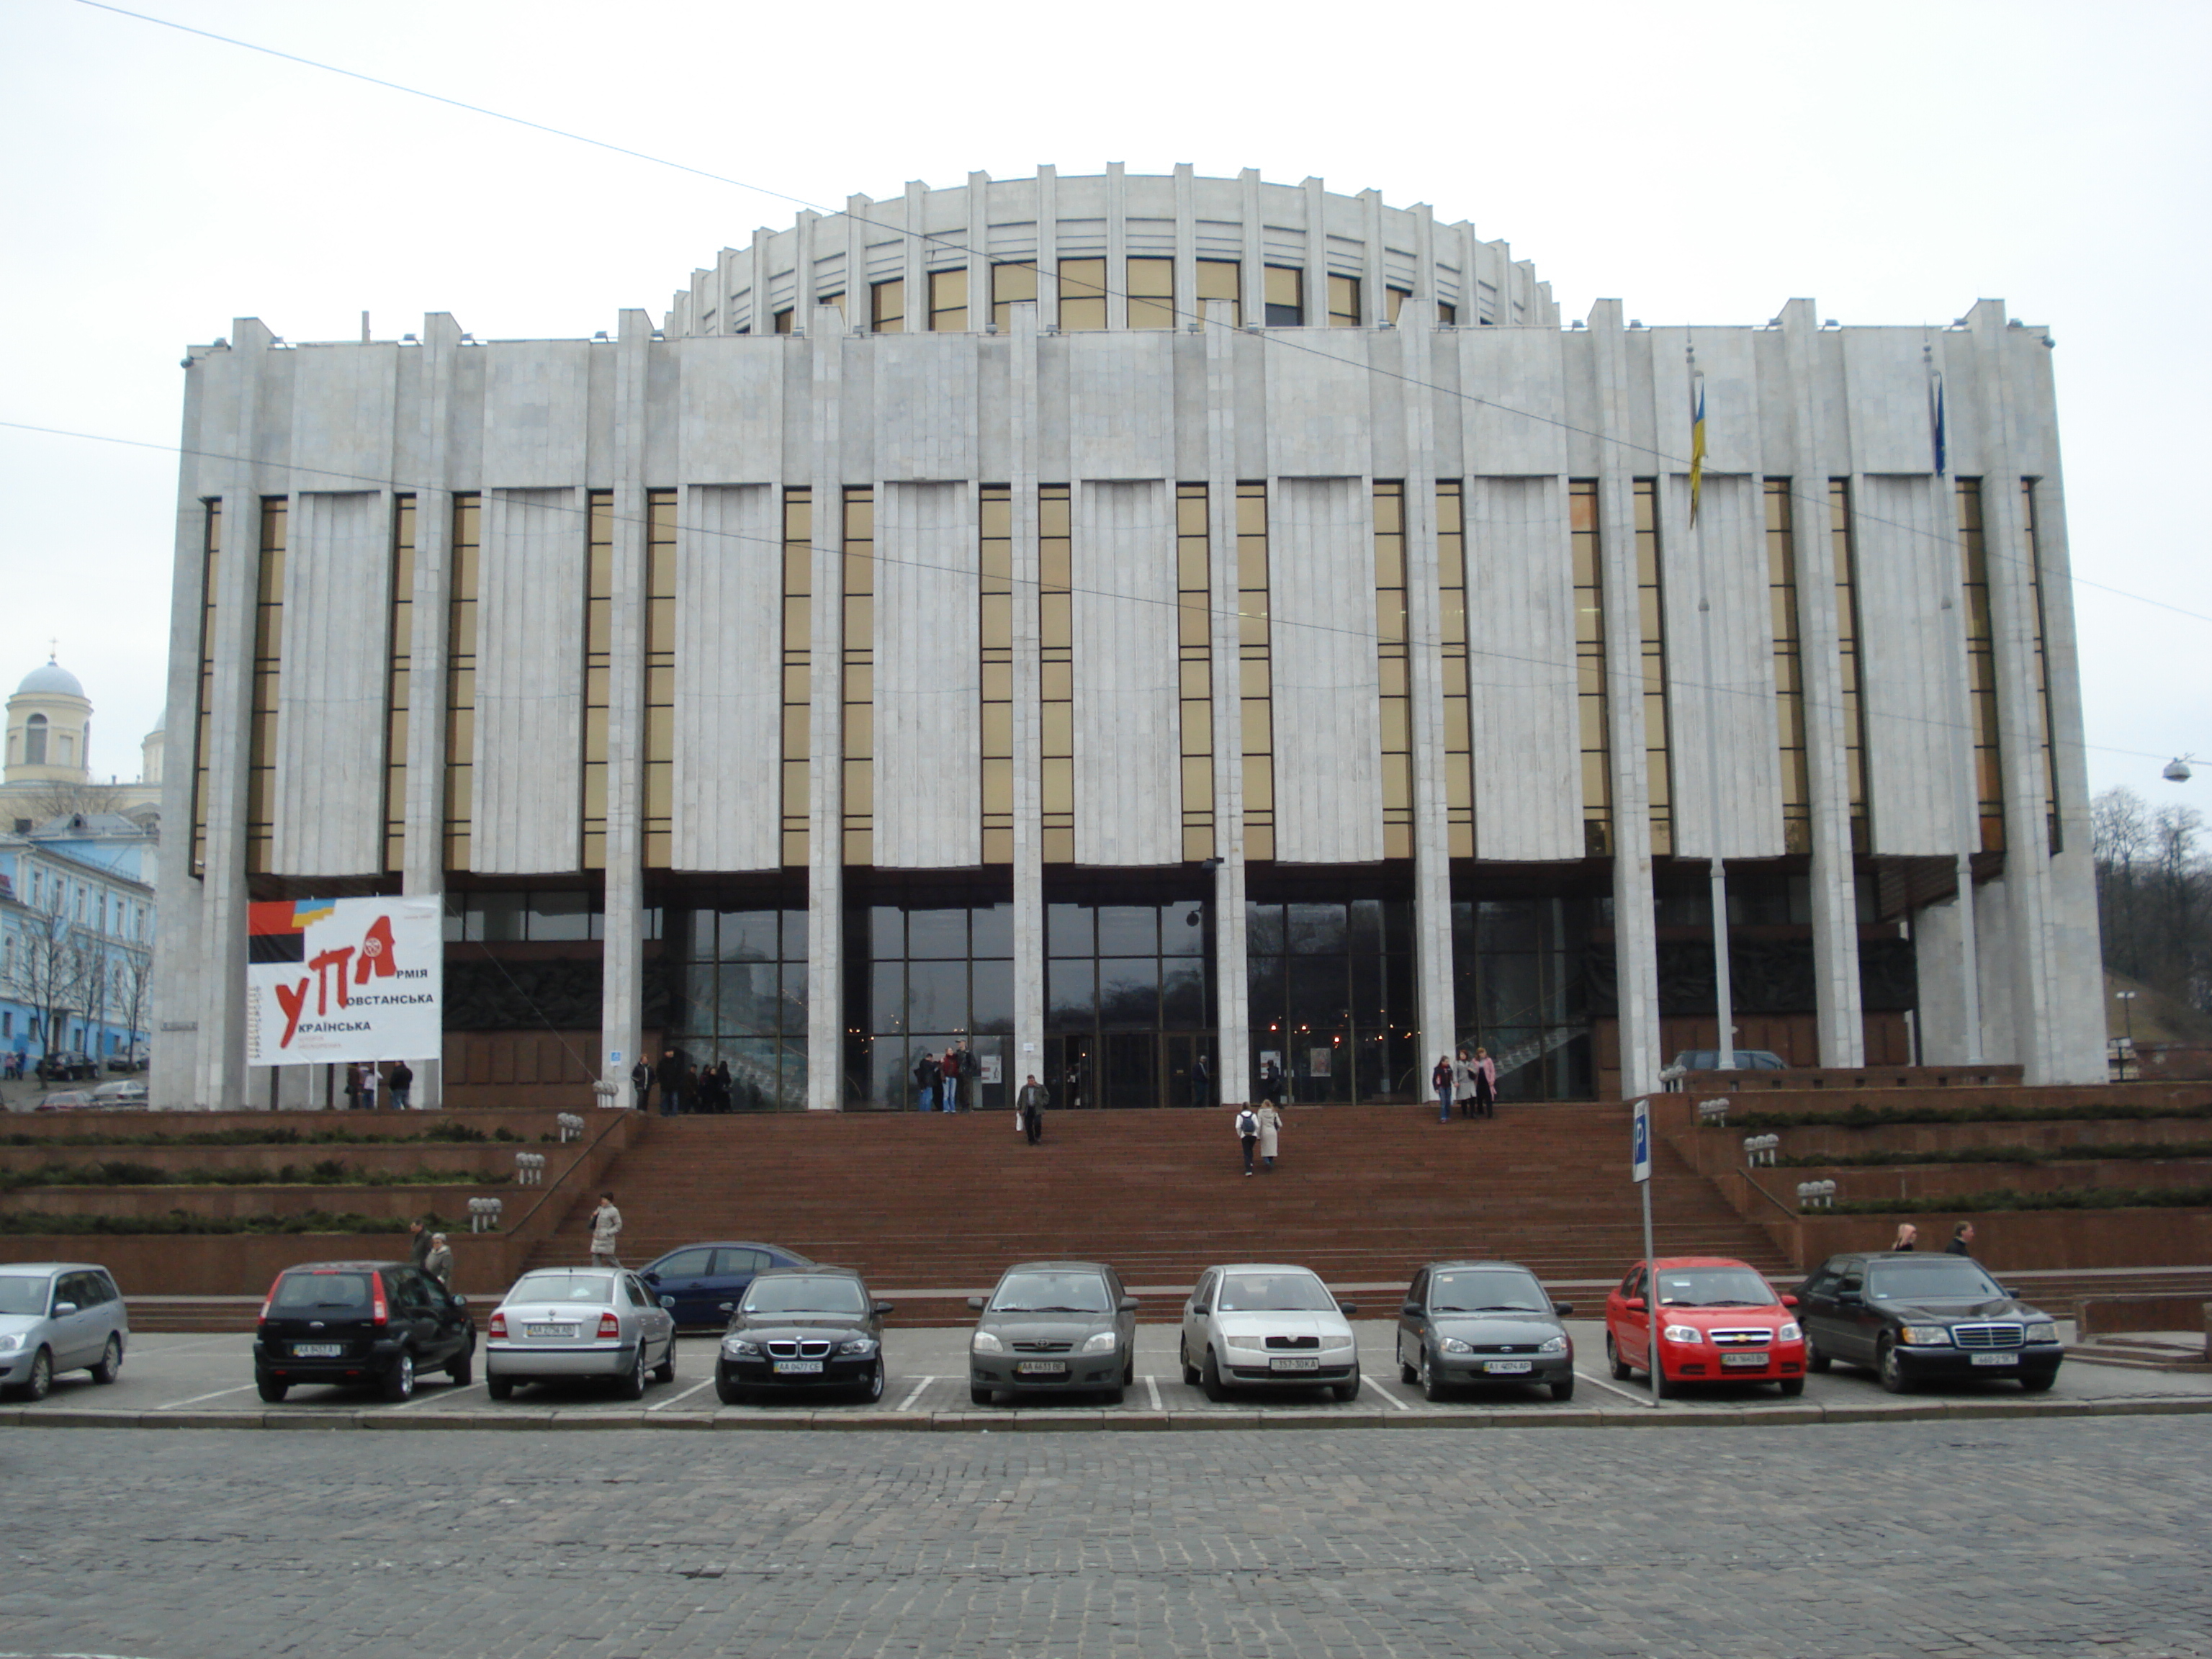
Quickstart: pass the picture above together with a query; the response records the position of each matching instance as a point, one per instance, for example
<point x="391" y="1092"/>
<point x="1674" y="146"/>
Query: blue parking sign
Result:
<point x="1640" y="1145"/>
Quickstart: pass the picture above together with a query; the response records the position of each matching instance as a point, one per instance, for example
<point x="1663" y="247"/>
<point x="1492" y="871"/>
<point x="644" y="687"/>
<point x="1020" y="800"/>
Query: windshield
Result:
<point x="823" y="1296"/>
<point x="1051" y="1293"/>
<point x="1489" y="1290"/>
<point x="22" y="1295"/>
<point x="1297" y="1292"/>
<point x="1713" y="1287"/>
<point x="322" y="1291"/>
<point x="563" y="1287"/>
<point x="1934" y="1280"/>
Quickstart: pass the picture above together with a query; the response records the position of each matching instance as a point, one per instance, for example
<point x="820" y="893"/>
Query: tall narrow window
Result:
<point x="1284" y="288"/>
<point x="1056" y="697"/>
<point x="1151" y="293"/>
<point x="887" y="307"/>
<point x="1589" y="669"/>
<point x="1788" y="671"/>
<point x="1222" y="280"/>
<point x="1847" y="641"/>
<point x="396" y="683"/>
<point x="1255" y="669"/>
<point x="268" y="662"/>
<point x="859" y="739"/>
<point x="784" y="320"/>
<point x="461" y="681"/>
<point x="1459" y="748"/>
<point x="1344" y="302"/>
<point x="660" y="520"/>
<point x="599" y="636"/>
<point x="1195" y="668"/>
<point x="1391" y="660"/>
<point x="798" y="660"/>
<point x="210" y="562"/>
<point x="1082" y="294"/>
<point x="2042" y="668"/>
<point x="1651" y="620"/>
<point x="995" y="628"/>
<point x="948" y="301"/>
<point x="1012" y="285"/>
<point x="1981" y="666"/>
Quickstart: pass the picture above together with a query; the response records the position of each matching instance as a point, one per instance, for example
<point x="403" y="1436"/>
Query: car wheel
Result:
<point x="872" y="1389"/>
<point x="1792" y="1387"/>
<point x="41" y="1382"/>
<point x="1408" y="1374"/>
<point x="981" y="1396"/>
<point x="498" y="1388"/>
<point x="1189" y="1371"/>
<point x="1815" y="1360"/>
<point x="1889" y="1369"/>
<point x="1117" y="1394"/>
<point x="1346" y="1391"/>
<point x="110" y="1361"/>
<point x="631" y="1385"/>
<point x="1209" y="1378"/>
<point x="665" y="1370"/>
<point x="2037" y="1382"/>
<point x="272" y="1390"/>
<point x="727" y="1391"/>
<point x="1621" y="1369"/>
<point x="1565" y="1391"/>
<point x="1432" y="1387"/>
<point x="1129" y="1368"/>
<point x="399" y="1381"/>
<point x="463" y="1370"/>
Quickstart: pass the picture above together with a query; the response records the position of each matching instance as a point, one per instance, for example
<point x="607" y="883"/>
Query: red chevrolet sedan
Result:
<point x="1719" y="1320"/>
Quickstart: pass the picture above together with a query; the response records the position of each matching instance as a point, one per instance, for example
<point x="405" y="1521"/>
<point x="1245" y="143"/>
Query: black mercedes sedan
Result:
<point x="1466" y="1322"/>
<point x="1915" y="1318"/>
<point x="803" y="1328"/>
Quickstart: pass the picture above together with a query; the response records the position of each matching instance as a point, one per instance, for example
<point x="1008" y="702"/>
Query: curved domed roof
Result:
<point x="51" y="678"/>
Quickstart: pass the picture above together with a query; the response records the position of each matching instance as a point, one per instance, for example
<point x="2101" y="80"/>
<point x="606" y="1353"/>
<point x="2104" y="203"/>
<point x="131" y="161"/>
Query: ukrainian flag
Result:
<point x="1697" y="445"/>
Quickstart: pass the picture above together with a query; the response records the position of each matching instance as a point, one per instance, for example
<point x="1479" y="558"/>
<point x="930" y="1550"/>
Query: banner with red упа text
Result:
<point x="335" y="980"/>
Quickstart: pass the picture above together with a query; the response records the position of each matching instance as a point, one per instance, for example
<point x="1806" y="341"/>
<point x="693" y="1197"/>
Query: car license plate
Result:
<point x="317" y="1350"/>
<point x="1507" y="1367"/>
<point x="799" y="1368"/>
<point x="1041" y="1368"/>
<point x="1295" y="1364"/>
<point x="548" y="1330"/>
<point x="1996" y="1359"/>
<point x="1750" y="1362"/>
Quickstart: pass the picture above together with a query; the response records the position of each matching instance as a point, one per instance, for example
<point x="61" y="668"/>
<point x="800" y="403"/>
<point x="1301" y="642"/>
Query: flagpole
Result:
<point x="1723" y="985"/>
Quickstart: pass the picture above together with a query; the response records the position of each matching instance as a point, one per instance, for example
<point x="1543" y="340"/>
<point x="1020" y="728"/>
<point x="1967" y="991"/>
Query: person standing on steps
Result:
<point x="1441" y="1081"/>
<point x="606" y="1230"/>
<point x="353" y="1088"/>
<point x="1270" y="1126"/>
<point x="1485" y="1083"/>
<point x="1201" y="1083"/>
<point x="951" y="1075"/>
<point x="439" y="1264"/>
<point x="402" y="1083"/>
<point x="1248" y="1132"/>
<point x="1030" y="1104"/>
<point x="419" y="1239"/>
<point x="1463" y="1083"/>
<point x="671" y="1083"/>
<point x="925" y="1073"/>
<point x="640" y="1083"/>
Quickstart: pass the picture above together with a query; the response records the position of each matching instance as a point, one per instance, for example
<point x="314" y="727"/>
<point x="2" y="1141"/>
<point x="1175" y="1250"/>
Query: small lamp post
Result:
<point x="2127" y="1000"/>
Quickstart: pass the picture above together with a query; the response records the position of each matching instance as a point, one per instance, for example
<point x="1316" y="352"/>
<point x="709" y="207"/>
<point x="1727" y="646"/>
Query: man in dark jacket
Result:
<point x="1030" y="1103"/>
<point x="927" y="1072"/>
<point x="671" y="1084"/>
<point x="641" y="1083"/>
<point x="1962" y="1240"/>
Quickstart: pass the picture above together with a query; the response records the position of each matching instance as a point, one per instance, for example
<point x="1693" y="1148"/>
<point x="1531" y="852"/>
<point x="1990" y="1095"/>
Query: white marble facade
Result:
<point x="1501" y="398"/>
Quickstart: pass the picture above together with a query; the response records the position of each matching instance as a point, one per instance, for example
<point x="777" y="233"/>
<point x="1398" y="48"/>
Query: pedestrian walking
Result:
<point x="1441" y="1081"/>
<point x="369" y="1079"/>
<point x="927" y="1072"/>
<point x="606" y="1230"/>
<point x="439" y="1264"/>
<point x="641" y="1083"/>
<point x="419" y="1241"/>
<point x="1485" y="1083"/>
<point x="1962" y="1240"/>
<point x="1270" y="1126"/>
<point x="1463" y="1083"/>
<point x="1908" y="1237"/>
<point x="671" y="1084"/>
<point x="1248" y="1133"/>
<point x="402" y="1086"/>
<point x="1201" y="1083"/>
<point x="1030" y="1104"/>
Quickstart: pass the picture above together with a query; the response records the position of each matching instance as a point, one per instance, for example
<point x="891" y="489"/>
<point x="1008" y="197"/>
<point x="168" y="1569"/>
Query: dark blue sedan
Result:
<point x="701" y="1283"/>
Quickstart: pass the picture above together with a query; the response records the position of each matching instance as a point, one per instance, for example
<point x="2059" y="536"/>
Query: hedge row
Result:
<point x="2004" y="1198"/>
<point x="2122" y="1149"/>
<point x="1865" y="1117"/>
<point x="177" y="1222"/>
<point x="325" y="1172"/>
<point x="448" y="1133"/>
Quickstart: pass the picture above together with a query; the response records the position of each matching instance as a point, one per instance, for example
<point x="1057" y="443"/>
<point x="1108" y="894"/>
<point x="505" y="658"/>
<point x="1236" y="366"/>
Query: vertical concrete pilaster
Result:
<point x="1027" y="685"/>
<point x="622" y="993"/>
<point x="1231" y="983"/>
<point x="825" y="787"/>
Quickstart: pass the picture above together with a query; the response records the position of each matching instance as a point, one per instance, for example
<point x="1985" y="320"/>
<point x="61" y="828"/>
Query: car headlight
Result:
<point x="1789" y="1332"/>
<point x="984" y="1342"/>
<point x="1337" y="1344"/>
<point x="1557" y="1345"/>
<point x="859" y="1347"/>
<point x="1453" y="1345"/>
<point x="2047" y="1331"/>
<point x="1926" y="1336"/>
<point x="1102" y="1343"/>
<point x="9" y="1343"/>
<point x="737" y="1348"/>
<point x="1683" y="1334"/>
<point x="1244" y="1344"/>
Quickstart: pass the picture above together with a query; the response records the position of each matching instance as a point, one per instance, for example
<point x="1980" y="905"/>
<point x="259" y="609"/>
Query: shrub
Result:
<point x="1866" y="1117"/>
<point x="2138" y="1150"/>
<point x="177" y="1222"/>
<point x="2004" y="1198"/>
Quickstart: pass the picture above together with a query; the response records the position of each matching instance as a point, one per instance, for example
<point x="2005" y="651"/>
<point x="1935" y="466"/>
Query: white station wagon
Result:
<point x="1266" y="1325"/>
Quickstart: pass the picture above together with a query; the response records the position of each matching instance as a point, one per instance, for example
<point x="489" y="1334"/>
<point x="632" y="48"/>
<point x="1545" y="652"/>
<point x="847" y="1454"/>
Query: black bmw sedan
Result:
<point x="1915" y="1318"/>
<point x="803" y="1328"/>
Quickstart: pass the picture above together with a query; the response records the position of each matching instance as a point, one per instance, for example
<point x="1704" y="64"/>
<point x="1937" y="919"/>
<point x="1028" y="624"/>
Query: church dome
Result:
<point x="50" y="679"/>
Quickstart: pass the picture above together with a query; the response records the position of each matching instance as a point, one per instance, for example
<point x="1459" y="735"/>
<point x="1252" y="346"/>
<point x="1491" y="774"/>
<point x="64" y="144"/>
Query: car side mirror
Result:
<point x="1412" y="1311"/>
<point x="976" y="1303"/>
<point x="1634" y="1304"/>
<point x="61" y="1308"/>
<point x="882" y="1309"/>
<point x="669" y="1302"/>
<point x="724" y="1307"/>
<point x="1199" y="1308"/>
<point x="650" y="1277"/>
<point x="1564" y="1310"/>
<point x="1347" y="1308"/>
<point x="1788" y="1301"/>
<point x="1127" y="1304"/>
<point x="460" y="1301"/>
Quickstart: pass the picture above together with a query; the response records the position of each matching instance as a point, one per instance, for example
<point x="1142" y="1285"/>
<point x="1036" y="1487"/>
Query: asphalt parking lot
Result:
<point x="207" y="1382"/>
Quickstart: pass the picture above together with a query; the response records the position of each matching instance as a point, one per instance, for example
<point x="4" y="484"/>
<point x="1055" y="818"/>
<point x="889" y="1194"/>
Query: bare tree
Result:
<point x="51" y="967"/>
<point x="44" y="802"/>
<point x="2154" y="896"/>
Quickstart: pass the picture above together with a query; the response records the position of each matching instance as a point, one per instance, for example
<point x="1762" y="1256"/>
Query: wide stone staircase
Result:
<point x="1363" y="1194"/>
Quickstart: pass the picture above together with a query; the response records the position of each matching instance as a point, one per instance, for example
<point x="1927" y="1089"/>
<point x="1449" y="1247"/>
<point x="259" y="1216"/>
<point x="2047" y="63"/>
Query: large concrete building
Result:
<point x="1115" y="620"/>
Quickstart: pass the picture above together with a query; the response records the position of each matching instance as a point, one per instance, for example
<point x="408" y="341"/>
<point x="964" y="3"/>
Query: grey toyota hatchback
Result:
<point x="1053" y="1328"/>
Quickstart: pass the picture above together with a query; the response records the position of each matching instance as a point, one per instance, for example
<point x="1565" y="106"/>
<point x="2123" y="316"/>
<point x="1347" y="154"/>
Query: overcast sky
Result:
<point x="1894" y="163"/>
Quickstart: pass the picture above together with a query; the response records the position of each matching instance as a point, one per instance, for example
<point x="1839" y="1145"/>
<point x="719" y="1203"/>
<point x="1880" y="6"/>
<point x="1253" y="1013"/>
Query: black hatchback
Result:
<point x="1914" y="1318"/>
<point x="381" y="1322"/>
<point x="803" y="1329"/>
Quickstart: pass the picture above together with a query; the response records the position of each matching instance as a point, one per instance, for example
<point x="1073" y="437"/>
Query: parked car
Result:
<point x="703" y="1284"/>
<point x="567" y="1322"/>
<point x="119" y="1096"/>
<point x="128" y="1059"/>
<point x="1915" y="1317"/>
<point x="1267" y="1325"/>
<point x="1053" y="1328"/>
<point x="803" y="1328"/>
<point x="1465" y="1323"/>
<point x="1719" y="1319"/>
<point x="67" y="1066"/>
<point x="381" y="1322"/>
<point x="67" y="1100"/>
<point x="59" y="1316"/>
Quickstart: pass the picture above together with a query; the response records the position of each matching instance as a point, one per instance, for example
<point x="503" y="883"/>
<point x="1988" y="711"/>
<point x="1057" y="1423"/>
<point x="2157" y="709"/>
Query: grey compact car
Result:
<point x="59" y="1316"/>
<point x="1053" y="1328"/>
<point x="567" y="1324"/>
<point x="1483" y="1321"/>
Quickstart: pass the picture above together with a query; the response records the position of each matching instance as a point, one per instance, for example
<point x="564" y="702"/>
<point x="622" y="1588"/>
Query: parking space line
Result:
<point x="1366" y="1381"/>
<point x="243" y="1388"/>
<point x="907" y="1404"/>
<point x="1613" y="1388"/>
<point x="450" y="1391"/>
<point x="678" y="1399"/>
<point x="1153" y="1388"/>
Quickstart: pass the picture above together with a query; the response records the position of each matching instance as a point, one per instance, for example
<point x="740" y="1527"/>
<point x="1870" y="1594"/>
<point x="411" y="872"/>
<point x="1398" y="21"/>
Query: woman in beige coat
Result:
<point x="1271" y="1125"/>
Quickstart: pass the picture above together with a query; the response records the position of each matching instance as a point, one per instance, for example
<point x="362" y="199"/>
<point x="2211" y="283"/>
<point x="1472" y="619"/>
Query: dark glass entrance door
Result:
<point x="1130" y="1073"/>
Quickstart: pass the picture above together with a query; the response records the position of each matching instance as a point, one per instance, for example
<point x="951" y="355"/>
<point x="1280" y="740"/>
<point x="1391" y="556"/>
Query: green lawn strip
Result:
<point x="2004" y="1198"/>
<point x="436" y="1134"/>
<point x="1865" y="1117"/>
<point x="2083" y="1154"/>
<point x="18" y="1222"/>
<point x="325" y="1172"/>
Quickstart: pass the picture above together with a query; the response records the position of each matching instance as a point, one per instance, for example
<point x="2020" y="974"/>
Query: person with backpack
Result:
<point x="1248" y="1132"/>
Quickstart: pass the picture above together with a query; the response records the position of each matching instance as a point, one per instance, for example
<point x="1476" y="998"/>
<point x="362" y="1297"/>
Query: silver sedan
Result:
<point x="580" y="1323"/>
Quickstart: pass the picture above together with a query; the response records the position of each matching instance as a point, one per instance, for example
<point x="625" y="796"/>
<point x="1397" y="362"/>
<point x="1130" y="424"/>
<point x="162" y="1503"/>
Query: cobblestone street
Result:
<point x="2043" y="1537"/>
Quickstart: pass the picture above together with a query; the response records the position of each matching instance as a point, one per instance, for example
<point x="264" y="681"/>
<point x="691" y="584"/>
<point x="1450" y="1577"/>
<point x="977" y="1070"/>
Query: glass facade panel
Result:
<point x="461" y="680"/>
<point x="1056" y="641"/>
<point x="1337" y="1014"/>
<point x="659" y="841"/>
<point x="397" y="682"/>
<point x="858" y="737"/>
<point x="948" y="301"/>
<point x="1128" y="998"/>
<point x="995" y="632"/>
<point x="1284" y="288"/>
<point x="740" y="974"/>
<point x="1847" y="638"/>
<point x="1520" y="969"/>
<point x="1082" y="294"/>
<point x="887" y="307"/>
<point x="1652" y="610"/>
<point x="1222" y="280"/>
<point x="1789" y="670"/>
<point x="210" y="562"/>
<point x="798" y="655"/>
<point x="1589" y="668"/>
<point x="1151" y="293"/>
<point x="1012" y="285"/>
<point x="1981" y="665"/>
<point x="2049" y="766"/>
<point x="1344" y="302"/>
<point x="1390" y="635"/>
<point x="1459" y="757"/>
<point x="268" y="664"/>
<point x="1254" y="668"/>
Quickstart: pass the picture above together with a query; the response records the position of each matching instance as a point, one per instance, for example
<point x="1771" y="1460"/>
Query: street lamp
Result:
<point x="2127" y="1007"/>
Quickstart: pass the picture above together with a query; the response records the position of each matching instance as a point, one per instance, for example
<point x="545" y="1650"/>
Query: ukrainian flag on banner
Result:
<point x="1696" y="444"/>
